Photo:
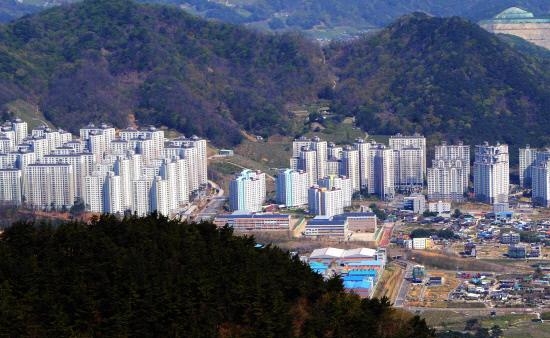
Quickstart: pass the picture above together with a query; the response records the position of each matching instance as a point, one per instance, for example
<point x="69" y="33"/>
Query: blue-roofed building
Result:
<point x="369" y="273"/>
<point x="359" y="284"/>
<point x="318" y="267"/>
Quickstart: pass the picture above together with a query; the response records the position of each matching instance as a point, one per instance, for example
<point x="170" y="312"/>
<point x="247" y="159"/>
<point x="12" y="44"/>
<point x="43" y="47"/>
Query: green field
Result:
<point x="28" y="113"/>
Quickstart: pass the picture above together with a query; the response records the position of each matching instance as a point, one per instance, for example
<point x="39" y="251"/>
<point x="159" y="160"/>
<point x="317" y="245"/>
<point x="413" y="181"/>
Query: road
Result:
<point x="215" y="204"/>
<point x="404" y="288"/>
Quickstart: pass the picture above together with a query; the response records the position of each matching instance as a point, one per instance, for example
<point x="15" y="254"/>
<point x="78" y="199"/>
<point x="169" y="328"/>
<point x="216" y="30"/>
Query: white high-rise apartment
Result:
<point x="291" y="187"/>
<point x="247" y="191"/>
<point x="122" y="170"/>
<point x="408" y="167"/>
<point x="540" y="173"/>
<point x="491" y="173"/>
<point x="119" y="147"/>
<point x="363" y="148"/>
<point x="316" y="166"/>
<point x="112" y="197"/>
<point x="459" y="152"/>
<point x="446" y="181"/>
<point x="191" y="155"/>
<point x="169" y="173"/>
<point x="21" y="130"/>
<point x="159" y="197"/>
<point x="141" y="191"/>
<point x="350" y="167"/>
<point x="80" y="165"/>
<point x="320" y="148"/>
<point x="182" y="185"/>
<point x="298" y="144"/>
<point x="333" y="166"/>
<point x="7" y="142"/>
<point x="198" y="161"/>
<point x="93" y="192"/>
<point x="339" y="182"/>
<point x="307" y="161"/>
<point x="38" y="144"/>
<point x="334" y="151"/>
<point x="10" y="186"/>
<point x="50" y="185"/>
<point x="527" y="158"/>
<point x="409" y="159"/>
<point x="325" y="202"/>
<point x="381" y="171"/>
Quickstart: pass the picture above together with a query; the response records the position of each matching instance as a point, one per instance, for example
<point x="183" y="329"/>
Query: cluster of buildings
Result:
<point x="324" y="177"/>
<point x="362" y="166"/>
<point x="360" y="268"/>
<point x="384" y="170"/>
<point x="518" y="290"/>
<point x="109" y="170"/>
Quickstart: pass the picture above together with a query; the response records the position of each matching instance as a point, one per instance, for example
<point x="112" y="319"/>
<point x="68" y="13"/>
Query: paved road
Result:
<point x="213" y="206"/>
<point x="404" y="288"/>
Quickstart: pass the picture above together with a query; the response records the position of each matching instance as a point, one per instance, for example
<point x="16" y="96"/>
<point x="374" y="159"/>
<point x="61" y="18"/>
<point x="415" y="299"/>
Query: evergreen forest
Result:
<point x="154" y="277"/>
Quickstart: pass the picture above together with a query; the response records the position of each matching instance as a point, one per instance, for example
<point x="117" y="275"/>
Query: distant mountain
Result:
<point x="336" y="17"/>
<point x="446" y="78"/>
<point x="112" y="59"/>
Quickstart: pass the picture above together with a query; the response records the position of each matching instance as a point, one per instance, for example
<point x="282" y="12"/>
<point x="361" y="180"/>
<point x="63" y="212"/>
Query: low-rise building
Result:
<point x="252" y="221"/>
<point x="415" y="203"/>
<point x="327" y="227"/>
<point x="360" y="221"/>
<point x="441" y="207"/>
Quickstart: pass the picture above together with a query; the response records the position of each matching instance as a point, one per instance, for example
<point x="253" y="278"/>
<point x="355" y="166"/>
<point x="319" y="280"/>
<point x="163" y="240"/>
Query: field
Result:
<point x="27" y="112"/>
<point x="436" y="296"/>
<point x="438" y="260"/>
<point x="390" y="282"/>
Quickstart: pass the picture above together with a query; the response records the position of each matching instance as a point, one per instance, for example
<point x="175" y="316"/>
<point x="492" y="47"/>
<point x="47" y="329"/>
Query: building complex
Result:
<point x="108" y="170"/>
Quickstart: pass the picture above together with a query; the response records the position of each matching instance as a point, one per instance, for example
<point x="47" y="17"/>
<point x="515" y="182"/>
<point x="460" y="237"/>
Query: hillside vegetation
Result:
<point x="151" y="277"/>
<point x="446" y="78"/>
<point x="113" y="60"/>
<point x="102" y="60"/>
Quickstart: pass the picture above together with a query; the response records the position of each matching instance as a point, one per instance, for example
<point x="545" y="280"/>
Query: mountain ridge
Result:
<point x="446" y="78"/>
<point x="106" y="60"/>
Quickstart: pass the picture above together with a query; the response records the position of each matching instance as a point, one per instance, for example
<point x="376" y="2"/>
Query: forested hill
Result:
<point x="151" y="277"/>
<point x="105" y="59"/>
<point x="446" y="78"/>
<point x="115" y="60"/>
